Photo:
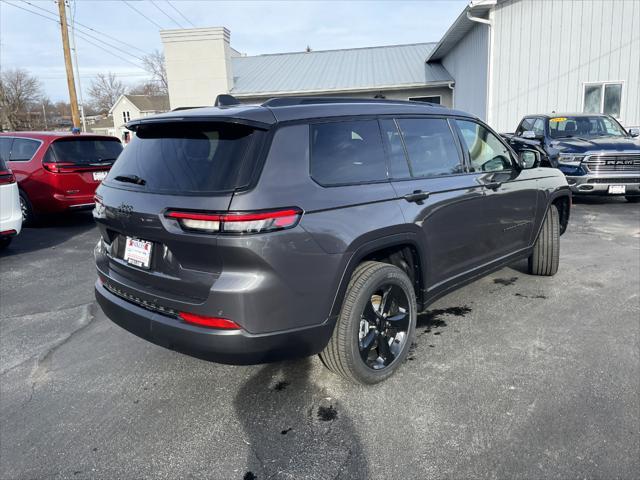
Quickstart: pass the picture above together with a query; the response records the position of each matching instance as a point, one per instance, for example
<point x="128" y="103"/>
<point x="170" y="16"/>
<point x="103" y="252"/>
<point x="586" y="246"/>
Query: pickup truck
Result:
<point x="596" y="154"/>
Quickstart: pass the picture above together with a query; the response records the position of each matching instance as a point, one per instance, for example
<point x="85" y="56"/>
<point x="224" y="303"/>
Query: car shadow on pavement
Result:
<point x="294" y="429"/>
<point x="49" y="232"/>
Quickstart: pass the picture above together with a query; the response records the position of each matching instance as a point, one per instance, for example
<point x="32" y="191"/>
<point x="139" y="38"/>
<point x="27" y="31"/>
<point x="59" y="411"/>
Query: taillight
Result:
<point x="7" y="177"/>
<point x="56" y="167"/>
<point x="99" y="206"/>
<point x="238" y="222"/>
<point x="211" y="322"/>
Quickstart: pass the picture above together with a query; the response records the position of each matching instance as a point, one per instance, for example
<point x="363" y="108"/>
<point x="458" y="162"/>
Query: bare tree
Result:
<point x="19" y="90"/>
<point x="105" y="89"/>
<point x="147" y="88"/>
<point x="154" y="64"/>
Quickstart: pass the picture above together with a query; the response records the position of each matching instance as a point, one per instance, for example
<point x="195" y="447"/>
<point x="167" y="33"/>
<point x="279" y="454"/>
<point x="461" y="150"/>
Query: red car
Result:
<point x="57" y="171"/>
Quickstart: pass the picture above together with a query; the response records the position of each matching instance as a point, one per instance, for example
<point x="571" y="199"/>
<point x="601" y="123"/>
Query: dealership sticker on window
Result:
<point x="558" y="119"/>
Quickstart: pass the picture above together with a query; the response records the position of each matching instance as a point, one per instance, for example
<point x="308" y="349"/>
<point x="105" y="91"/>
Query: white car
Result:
<point x="10" y="212"/>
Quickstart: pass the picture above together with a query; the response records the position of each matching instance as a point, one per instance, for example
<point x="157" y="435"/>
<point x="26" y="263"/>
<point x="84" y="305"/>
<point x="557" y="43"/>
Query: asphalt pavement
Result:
<point x="513" y="376"/>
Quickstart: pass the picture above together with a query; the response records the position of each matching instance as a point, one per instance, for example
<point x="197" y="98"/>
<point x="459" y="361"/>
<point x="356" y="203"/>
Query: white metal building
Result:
<point x="501" y="59"/>
<point x="539" y="56"/>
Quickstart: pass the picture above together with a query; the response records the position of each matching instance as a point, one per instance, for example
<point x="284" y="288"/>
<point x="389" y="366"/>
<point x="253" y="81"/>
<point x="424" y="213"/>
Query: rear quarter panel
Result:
<point x="32" y="178"/>
<point x="337" y="220"/>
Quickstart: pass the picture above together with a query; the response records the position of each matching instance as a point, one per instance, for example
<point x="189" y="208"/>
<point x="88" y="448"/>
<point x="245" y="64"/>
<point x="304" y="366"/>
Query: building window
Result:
<point x="126" y="117"/>
<point x="605" y="97"/>
<point x="437" y="99"/>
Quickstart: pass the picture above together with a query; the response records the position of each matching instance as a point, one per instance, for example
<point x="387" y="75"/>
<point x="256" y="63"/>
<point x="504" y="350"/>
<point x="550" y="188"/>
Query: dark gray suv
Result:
<point x="248" y="234"/>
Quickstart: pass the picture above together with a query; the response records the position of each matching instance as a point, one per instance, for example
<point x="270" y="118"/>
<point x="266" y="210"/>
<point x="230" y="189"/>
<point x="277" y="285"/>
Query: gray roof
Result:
<point x="269" y="113"/>
<point x="337" y="70"/>
<point x="102" y="123"/>
<point x="460" y="28"/>
<point x="148" y="103"/>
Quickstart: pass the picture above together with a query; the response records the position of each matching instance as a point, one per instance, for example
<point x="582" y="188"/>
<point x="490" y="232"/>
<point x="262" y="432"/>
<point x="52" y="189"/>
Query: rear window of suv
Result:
<point x="187" y="158"/>
<point x="84" y="151"/>
<point x="347" y="153"/>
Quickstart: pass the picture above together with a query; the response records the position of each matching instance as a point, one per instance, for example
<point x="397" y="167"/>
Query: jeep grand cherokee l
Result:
<point x="595" y="153"/>
<point x="247" y="234"/>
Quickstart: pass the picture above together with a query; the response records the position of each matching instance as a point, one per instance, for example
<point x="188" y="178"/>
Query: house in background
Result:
<point x="102" y="126"/>
<point x="131" y="107"/>
<point x="500" y="60"/>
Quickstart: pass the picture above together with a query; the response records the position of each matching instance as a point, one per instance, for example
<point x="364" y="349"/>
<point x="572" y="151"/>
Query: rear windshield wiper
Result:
<point x="130" y="179"/>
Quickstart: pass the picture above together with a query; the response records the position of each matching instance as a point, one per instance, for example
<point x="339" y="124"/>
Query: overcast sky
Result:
<point x="32" y="42"/>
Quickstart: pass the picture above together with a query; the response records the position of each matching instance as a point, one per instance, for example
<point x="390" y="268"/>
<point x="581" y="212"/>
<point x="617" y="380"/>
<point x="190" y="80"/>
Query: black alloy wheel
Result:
<point x="384" y="326"/>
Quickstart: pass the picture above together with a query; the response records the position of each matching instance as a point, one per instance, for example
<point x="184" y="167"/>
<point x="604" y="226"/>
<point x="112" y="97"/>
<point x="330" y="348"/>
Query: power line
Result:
<point x="140" y="13"/>
<point x="115" y="47"/>
<point x="88" y="28"/>
<point x="82" y="35"/>
<point x="180" y="13"/>
<point x="165" y="13"/>
<point x="31" y="11"/>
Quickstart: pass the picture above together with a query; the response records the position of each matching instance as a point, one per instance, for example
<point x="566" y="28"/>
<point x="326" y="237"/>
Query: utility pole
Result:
<point x="75" y="61"/>
<point x="73" y="99"/>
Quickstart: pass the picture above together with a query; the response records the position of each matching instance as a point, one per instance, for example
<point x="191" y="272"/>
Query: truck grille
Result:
<point x="617" y="180"/>
<point x="624" y="162"/>
<point x="140" y="302"/>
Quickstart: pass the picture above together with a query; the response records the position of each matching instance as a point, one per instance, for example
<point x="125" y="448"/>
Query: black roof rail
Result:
<point x="179" y="109"/>
<point x="290" y="101"/>
<point x="224" y="100"/>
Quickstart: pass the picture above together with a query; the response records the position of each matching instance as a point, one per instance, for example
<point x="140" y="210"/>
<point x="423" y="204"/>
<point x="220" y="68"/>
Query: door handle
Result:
<point x="493" y="185"/>
<point x="417" y="196"/>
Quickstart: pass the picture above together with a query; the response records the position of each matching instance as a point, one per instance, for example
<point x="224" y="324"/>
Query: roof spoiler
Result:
<point x="224" y="100"/>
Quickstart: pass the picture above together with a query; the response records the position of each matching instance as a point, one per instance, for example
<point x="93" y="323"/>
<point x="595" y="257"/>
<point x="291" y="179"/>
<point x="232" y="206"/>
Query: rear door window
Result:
<point x="84" y="151"/>
<point x="5" y="148"/>
<point x="431" y="147"/>
<point x="347" y="153"/>
<point x="187" y="158"/>
<point x="23" y="149"/>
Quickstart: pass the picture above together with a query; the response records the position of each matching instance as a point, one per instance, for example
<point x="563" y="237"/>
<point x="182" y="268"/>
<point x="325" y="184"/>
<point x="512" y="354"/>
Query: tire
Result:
<point x="28" y="217"/>
<point x="345" y="352"/>
<point x="4" y="242"/>
<point x="632" y="198"/>
<point x="546" y="252"/>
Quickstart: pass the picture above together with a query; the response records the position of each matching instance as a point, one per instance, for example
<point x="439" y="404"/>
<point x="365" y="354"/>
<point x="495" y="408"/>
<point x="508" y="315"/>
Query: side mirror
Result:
<point x="530" y="134"/>
<point x="528" y="159"/>
<point x="634" y="132"/>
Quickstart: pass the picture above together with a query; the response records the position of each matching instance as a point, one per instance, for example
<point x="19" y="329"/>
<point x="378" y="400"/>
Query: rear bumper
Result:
<point x="74" y="202"/>
<point x="236" y="347"/>
<point x="10" y="212"/>
<point x="599" y="184"/>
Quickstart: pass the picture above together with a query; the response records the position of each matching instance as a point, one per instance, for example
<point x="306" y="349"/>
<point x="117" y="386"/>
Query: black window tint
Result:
<point x="5" y="148"/>
<point x="347" y="152"/>
<point x="486" y="152"/>
<point x="85" y="150"/>
<point x="186" y="157"/>
<point x="431" y="147"/>
<point x="23" y="149"/>
<point x="398" y="166"/>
